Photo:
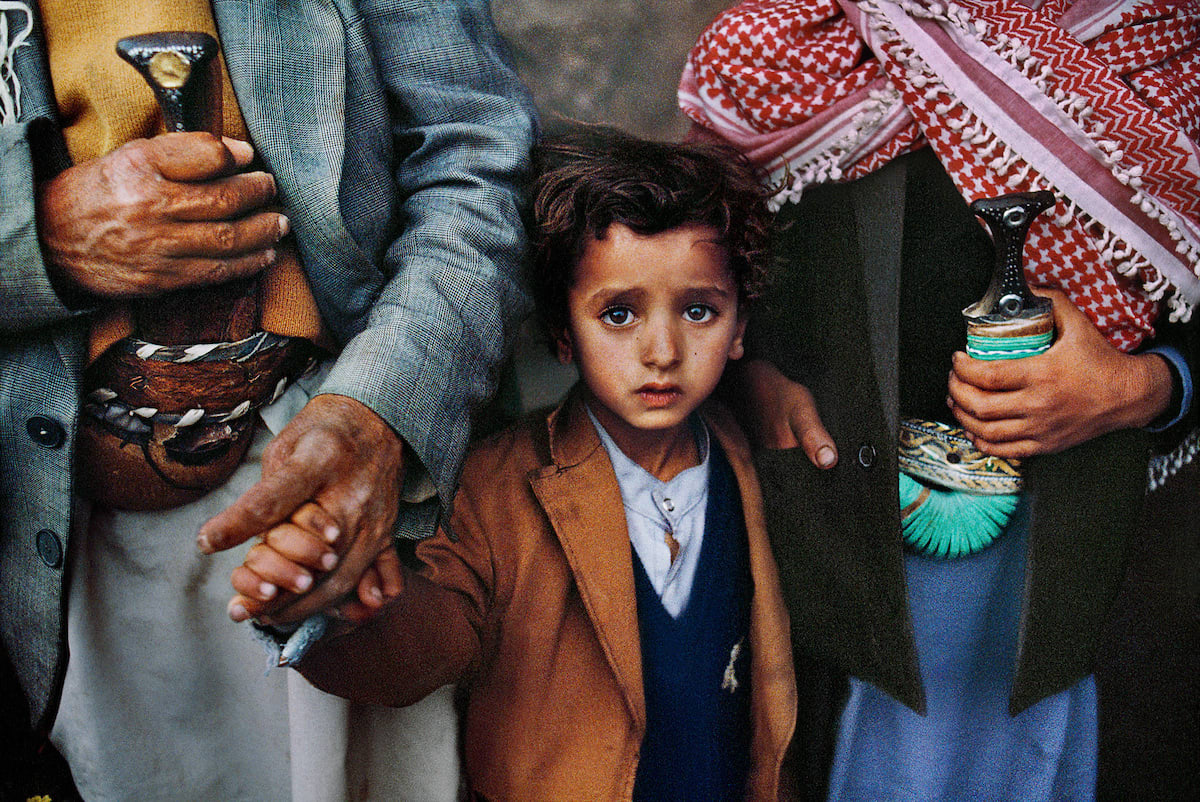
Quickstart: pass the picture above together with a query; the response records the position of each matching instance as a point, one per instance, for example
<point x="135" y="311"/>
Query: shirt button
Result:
<point x="49" y="548"/>
<point x="45" y="431"/>
<point x="866" y="455"/>
<point x="668" y="505"/>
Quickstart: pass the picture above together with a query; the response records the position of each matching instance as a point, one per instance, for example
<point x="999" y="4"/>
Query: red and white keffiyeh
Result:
<point x="1096" y="100"/>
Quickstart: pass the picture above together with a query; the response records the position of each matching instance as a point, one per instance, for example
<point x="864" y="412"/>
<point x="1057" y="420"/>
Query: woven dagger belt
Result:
<point x="942" y="455"/>
<point x="162" y="425"/>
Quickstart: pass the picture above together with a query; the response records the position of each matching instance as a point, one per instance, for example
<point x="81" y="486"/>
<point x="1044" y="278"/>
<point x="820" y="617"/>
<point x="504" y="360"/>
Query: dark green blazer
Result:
<point x="840" y="320"/>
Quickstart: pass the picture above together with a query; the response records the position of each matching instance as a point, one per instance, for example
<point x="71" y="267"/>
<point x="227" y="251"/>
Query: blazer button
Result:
<point x="45" y="431"/>
<point x="866" y="455"/>
<point x="49" y="548"/>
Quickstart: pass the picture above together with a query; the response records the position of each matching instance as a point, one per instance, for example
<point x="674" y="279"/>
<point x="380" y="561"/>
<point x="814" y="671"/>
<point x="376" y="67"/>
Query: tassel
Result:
<point x="10" y="87"/>
<point x="946" y="524"/>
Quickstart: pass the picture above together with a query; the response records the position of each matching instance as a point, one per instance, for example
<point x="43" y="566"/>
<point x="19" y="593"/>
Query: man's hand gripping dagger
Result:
<point x="180" y="211"/>
<point x="1081" y="388"/>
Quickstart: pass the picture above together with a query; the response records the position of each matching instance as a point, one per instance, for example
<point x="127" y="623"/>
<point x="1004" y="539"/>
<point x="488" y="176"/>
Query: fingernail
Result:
<point x="328" y="561"/>
<point x="303" y="583"/>
<point x="377" y="595"/>
<point x="237" y="612"/>
<point x="240" y="149"/>
<point x="266" y="590"/>
<point x="331" y="533"/>
<point x="203" y="544"/>
<point x="285" y="226"/>
<point x="825" y="456"/>
<point x="950" y="402"/>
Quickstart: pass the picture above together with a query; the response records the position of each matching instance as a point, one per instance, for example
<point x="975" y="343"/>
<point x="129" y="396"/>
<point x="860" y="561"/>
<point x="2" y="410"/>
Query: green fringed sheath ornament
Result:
<point x="955" y="500"/>
<point x="945" y="524"/>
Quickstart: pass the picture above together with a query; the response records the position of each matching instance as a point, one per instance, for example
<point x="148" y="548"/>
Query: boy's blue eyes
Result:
<point x="623" y="315"/>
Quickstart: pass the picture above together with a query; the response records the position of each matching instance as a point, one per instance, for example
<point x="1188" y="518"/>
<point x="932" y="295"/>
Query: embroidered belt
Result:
<point x="943" y="455"/>
<point x="955" y="500"/>
<point x="164" y="424"/>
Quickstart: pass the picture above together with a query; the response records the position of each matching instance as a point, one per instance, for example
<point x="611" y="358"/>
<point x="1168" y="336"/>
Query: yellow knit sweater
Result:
<point x="103" y="103"/>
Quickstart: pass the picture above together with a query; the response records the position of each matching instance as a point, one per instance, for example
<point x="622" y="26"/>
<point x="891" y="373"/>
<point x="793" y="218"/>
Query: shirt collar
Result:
<point x="645" y="495"/>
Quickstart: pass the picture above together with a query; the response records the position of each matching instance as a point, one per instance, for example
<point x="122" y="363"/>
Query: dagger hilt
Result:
<point x="182" y="69"/>
<point x="1010" y="321"/>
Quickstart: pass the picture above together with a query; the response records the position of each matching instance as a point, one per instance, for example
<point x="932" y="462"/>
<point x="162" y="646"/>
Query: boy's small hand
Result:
<point x="382" y="582"/>
<point x="289" y="556"/>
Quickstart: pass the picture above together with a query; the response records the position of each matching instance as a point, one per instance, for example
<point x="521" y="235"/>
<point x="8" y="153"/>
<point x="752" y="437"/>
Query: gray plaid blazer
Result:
<point x="399" y="137"/>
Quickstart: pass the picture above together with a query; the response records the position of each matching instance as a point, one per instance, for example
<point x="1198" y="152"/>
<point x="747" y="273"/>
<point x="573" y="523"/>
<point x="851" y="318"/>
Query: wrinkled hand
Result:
<point x="782" y="414"/>
<point x="339" y="454"/>
<point x="157" y="215"/>
<point x="1081" y="388"/>
<point x="294" y="553"/>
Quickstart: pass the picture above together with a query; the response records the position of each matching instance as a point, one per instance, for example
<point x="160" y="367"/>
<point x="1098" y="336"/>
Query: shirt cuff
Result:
<point x="1181" y="388"/>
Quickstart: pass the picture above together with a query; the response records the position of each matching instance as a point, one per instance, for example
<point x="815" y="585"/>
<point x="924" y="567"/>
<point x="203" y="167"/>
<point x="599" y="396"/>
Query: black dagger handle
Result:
<point x="1009" y="218"/>
<point x="182" y="69"/>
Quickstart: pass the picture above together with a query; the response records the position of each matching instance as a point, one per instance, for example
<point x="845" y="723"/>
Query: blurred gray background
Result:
<point x="616" y="62"/>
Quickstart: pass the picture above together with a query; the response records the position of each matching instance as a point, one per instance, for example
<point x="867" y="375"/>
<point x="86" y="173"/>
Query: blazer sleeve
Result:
<point x="1179" y="345"/>
<point x="434" y="633"/>
<point x="27" y="299"/>
<point x="463" y="129"/>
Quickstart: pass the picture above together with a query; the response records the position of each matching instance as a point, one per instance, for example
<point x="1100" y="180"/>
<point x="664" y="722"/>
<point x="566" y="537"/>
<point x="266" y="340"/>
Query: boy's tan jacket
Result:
<point x="533" y="611"/>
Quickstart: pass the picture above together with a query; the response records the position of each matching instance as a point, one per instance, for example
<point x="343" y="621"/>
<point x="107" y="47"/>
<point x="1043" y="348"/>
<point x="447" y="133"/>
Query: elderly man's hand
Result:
<point x="294" y="553"/>
<point x="157" y="215"/>
<point x="343" y="457"/>
<point x="781" y="413"/>
<point x="1081" y="388"/>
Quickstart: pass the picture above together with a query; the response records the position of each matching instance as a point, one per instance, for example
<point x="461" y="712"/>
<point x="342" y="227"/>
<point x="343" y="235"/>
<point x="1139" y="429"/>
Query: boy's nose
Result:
<point x="660" y="346"/>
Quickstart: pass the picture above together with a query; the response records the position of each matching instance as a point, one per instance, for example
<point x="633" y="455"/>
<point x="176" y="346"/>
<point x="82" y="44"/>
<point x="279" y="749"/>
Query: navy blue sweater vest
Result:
<point x="696" y="668"/>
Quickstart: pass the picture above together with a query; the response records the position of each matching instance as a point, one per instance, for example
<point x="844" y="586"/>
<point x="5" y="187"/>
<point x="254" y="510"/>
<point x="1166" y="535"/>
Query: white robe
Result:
<point x="167" y="699"/>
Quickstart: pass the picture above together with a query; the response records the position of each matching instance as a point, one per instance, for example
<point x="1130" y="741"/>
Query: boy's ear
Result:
<point x="562" y="347"/>
<point x="736" y="349"/>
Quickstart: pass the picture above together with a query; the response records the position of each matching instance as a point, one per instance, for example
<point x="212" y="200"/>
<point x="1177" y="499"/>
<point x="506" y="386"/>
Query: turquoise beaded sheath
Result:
<point x="955" y="500"/>
<point x="945" y="524"/>
<point x="991" y="348"/>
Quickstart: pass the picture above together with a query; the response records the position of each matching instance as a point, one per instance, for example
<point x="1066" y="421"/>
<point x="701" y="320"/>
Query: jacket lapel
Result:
<point x="287" y="63"/>
<point x="38" y="103"/>
<point x="296" y="124"/>
<point x="773" y="678"/>
<point x="878" y="221"/>
<point x="582" y="500"/>
<point x="30" y="68"/>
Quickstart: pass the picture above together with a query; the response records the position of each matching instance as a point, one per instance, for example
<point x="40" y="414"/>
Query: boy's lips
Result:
<point x="658" y="395"/>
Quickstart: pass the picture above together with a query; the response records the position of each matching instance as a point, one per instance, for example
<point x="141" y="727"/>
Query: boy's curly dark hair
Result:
<point x="594" y="176"/>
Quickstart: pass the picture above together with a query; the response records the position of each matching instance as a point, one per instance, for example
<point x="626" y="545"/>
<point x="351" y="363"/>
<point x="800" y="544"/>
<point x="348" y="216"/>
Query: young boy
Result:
<point x="604" y="593"/>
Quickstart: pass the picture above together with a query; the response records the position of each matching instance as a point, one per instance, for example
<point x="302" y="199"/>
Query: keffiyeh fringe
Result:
<point x="1120" y="247"/>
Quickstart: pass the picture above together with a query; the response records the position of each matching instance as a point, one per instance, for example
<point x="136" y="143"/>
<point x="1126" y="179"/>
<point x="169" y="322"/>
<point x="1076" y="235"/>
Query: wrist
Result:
<point x="1150" y="390"/>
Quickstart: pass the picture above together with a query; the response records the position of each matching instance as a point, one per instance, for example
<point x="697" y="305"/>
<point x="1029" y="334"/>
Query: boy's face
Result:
<point x="652" y="321"/>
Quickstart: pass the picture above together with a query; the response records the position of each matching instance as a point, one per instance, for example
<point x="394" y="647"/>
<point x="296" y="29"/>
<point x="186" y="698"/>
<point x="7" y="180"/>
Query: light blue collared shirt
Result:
<point x="1176" y="360"/>
<point x="654" y="507"/>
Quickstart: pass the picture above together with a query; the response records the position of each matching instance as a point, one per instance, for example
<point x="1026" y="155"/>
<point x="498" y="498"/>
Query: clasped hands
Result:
<point x="181" y="210"/>
<point x="324" y="510"/>
<point x="1081" y="388"/>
